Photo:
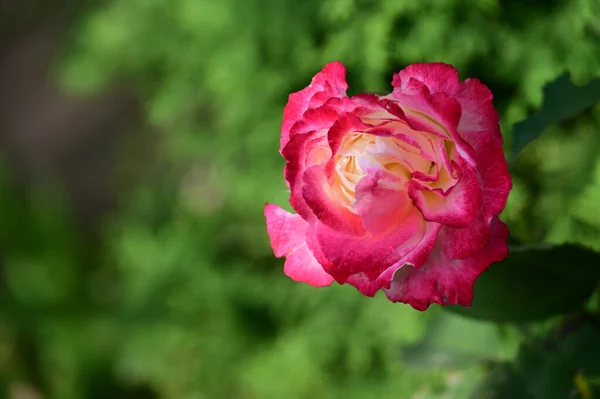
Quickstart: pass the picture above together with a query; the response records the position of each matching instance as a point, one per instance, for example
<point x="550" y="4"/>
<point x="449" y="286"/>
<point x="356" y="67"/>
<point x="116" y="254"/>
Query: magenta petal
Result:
<point x="437" y="113"/>
<point x="475" y="99"/>
<point x="436" y="76"/>
<point x="458" y="208"/>
<point x="368" y="254"/>
<point x="330" y="82"/>
<point x="302" y="152"/>
<point x="314" y="119"/>
<point x="493" y="171"/>
<point x="421" y="245"/>
<point x="479" y="113"/>
<point x="315" y="192"/>
<point x="347" y="123"/>
<point x="447" y="281"/>
<point x="288" y="238"/>
<point x="466" y="242"/>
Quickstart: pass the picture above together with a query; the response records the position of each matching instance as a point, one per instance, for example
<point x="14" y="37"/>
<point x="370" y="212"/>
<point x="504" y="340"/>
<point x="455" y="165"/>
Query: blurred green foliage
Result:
<point x="182" y="298"/>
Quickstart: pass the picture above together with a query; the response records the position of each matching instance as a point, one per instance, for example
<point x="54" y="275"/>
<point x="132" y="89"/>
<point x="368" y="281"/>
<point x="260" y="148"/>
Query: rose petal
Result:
<point x="475" y="99"/>
<point x="314" y="119"/>
<point x="493" y="171"/>
<point x="467" y="242"/>
<point x="288" y="238"/>
<point x="302" y="266"/>
<point x="286" y="231"/>
<point x="421" y="244"/>
<point x="381" y="208"/>
<point x="436" y="76"/>
<point x="368" y="254"/>
<point x="459" y="207"/>
<point x="331" y="82"/>
<point x="307" y="147"/>
<point x="316" y="191"/>
<point x="447" y="281"/>
<point x="436" y="113"/>
<point x="478" y="112"/>
<point x="348" y="123"/>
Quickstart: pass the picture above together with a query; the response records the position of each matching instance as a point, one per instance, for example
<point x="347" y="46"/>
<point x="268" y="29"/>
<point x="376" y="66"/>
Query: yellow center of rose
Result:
<point x="363" y="153"/>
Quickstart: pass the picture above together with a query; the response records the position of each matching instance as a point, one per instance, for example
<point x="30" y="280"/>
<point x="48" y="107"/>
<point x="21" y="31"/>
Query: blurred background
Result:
<point x="138" y="145"/>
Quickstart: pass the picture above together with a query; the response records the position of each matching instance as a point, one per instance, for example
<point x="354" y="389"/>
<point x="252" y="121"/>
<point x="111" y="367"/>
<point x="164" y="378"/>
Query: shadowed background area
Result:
<point x="139" y="141"/>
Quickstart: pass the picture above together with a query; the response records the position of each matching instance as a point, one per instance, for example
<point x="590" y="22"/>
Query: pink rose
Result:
<point x="398" y="192"/>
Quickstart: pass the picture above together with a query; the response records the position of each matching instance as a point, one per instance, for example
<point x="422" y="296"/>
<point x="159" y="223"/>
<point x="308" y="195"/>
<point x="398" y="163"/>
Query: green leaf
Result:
<point x="582" y="350"/>
<point x="536" y="374"/>
<point x="564" y="364"/>
<point x="534" y="283"/>
<point x="546" y="374"/>
<point x="562" y="101"/>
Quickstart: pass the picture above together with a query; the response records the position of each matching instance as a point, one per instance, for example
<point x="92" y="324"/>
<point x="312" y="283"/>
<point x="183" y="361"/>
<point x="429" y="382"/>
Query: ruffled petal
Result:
<point x="316" y="191"/>
<point x="302" y="266"/>
<point x="458" y="207"/>
<point x="288" y="238"/>
<point x="421" y="244"/>
<point x="327" y="84"/>
<point x="493" y="171"/>
<point x="368" y="254"/>
<point x="437" y="113"/>
<point x="447" y="281"/>
<point x="466" y="242"/>
<point x="475" y="99"/>
<point x="437" y="77"/>
<point x="478" y="112"/>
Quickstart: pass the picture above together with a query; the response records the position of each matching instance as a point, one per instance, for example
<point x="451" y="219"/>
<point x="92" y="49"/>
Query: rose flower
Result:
<point x="398" y="192"/>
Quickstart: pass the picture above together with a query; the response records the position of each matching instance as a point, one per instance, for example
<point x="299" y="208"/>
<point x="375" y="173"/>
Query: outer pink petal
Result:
<point x="447" y="281"/>
<point x="459" y="207"/>
<point x="315" y="119"/>
<point x="302" y="266"/>
<point x="330" y="82"/>
<point x="467" y="242"/>
<point x="288" y="238"/>
<point x="479" y="113"/>
<point x="436" y="76"/>
<point x="368" y="254"/>
<point x="493" y="171"/>
<point x="286" y="231"/>
<point x="306" y="149"/>
<point x="427" y="89"/>
<point x="421" y="244"/>
<point x="475" y="99"/>
<point x="295" y="153"/>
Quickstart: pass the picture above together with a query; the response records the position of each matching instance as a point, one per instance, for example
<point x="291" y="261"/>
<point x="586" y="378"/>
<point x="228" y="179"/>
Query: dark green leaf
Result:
<point x="564" y="364"/>
<point x="562" y="100"/>
<point x="536" y="374"/>
<point x="535" y="283"/>
<point x="582" y="350"/>
<point x="503" y="382"/>
<point x="545" y="373"/>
